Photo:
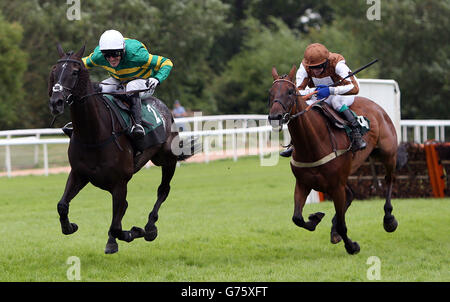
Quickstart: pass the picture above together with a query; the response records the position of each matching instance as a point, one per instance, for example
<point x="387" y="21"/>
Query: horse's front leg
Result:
<point x="73" y="185"/>
<point x="334" y="236"/>
<point x="300" y="196"/>
<point x="120" y="204"/>
<point x="151" y="231"/>
<point x="340" y="205"/>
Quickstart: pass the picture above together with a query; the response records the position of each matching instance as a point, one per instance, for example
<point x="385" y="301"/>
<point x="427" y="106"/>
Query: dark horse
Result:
<point x="314" y="140"/>
<point x="100" y="154"/>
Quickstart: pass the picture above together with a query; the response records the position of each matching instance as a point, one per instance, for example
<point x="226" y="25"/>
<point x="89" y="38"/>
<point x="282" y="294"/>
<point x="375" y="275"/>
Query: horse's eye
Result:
<point x="75" y="71"/>
<point x="291" y="91"/>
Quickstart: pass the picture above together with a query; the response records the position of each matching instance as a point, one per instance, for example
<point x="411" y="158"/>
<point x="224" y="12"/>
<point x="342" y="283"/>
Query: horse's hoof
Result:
<point x="70" y="229"/>
<point x="111" y="248"/>
<point x="151" y="234"/>
<point x="137" y="232"/>
<point x="390" y="224"/>
<point x="316" y="217"/>
<point x="335" y="238"/>
<point x="353" y="248"/>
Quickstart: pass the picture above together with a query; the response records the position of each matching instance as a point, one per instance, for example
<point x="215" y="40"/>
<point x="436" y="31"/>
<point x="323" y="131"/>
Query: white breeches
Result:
<point x="336" y="101"/>
<point x="113" y="85"/>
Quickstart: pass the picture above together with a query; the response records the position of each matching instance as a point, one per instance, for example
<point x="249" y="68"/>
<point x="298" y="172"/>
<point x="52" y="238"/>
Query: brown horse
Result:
<point x="318" y="162"/>
<point x="100" y="153"/>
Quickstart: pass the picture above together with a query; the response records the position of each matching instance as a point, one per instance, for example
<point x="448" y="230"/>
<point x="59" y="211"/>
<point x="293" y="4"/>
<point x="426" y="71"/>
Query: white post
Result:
<point x="234" y="145"/>
<point x="45" y="160"/>
<point x="405" y="134"/>
<point x="442" y="134"/>
<point x="36" y="150"/>
<point x="424" y="134"/>
<point x="206" y="148"/>
<point x="8" y="158"/>
<point x="417" y="134"/>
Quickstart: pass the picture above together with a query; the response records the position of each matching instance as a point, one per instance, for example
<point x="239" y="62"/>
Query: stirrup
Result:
<point x="68" y="129"/>
<point x="137" y="131"/>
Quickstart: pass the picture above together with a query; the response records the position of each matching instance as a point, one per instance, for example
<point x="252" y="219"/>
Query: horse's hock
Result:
<point x="422" y="171"/>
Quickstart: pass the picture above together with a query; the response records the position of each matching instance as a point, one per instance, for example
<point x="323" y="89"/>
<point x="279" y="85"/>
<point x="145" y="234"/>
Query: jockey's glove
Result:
<point x="323" y="91"/>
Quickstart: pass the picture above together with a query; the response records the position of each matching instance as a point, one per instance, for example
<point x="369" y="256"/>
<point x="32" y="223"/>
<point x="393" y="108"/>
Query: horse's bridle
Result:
<point x="58" y="87"/>
<point x="287" y="116"/>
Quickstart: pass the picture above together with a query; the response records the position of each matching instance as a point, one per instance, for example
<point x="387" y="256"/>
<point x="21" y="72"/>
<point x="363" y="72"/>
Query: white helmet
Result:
<point x="111" y="39"/>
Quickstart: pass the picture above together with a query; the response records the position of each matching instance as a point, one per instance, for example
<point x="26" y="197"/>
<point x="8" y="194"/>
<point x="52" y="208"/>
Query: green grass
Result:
<point x="223" y="221"/>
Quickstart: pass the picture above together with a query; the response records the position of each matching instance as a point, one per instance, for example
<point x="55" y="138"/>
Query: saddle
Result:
<point x="337" y="121"/>
<point x="152" y="121"/>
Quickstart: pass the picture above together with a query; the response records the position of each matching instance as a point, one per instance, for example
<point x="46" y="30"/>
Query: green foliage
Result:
<point x="223" y="50"/>
<point x="13" y="61"/>
<point x="242" y="87"/>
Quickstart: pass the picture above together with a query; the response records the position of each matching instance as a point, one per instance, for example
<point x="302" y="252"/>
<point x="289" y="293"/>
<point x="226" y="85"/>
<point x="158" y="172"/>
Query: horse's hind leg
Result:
<point x="389" y="222"/>
<point x="334" y="236"/>
<point x="73" y="185"/>
<point x="300" y="195"/>
<point x="338" y="196"/>
<point x="168" y="170"/>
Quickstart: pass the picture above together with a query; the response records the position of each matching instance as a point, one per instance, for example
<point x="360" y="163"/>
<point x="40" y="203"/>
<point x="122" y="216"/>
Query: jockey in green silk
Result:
<point x="131" y="68"/>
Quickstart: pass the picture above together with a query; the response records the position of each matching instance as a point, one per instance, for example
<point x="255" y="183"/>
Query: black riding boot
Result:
<point x="287" y="152"/>
<point x="358" y="142"/>
<point x="137" y="131"/>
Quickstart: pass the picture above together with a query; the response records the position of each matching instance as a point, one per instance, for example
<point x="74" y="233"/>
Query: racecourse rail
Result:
<point x="211" y="127"/>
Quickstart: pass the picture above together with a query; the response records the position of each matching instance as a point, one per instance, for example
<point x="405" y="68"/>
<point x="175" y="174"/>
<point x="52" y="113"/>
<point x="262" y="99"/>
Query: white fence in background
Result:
<point x="211" y="128"/>
<point x="219" y="129"/>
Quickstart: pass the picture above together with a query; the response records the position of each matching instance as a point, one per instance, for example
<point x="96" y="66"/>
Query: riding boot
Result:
<point x="137" y="131"/>
<point x="287" y="152"/>
<point x="68" y="129"/>
<point x="358" y="143"/>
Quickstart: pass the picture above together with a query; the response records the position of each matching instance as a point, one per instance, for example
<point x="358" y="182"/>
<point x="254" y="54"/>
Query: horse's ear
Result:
<point x="60" y="50"/>
<point x="292" y="73"/>
<point x="80" y="53"/>
<point x="274" y="73"/>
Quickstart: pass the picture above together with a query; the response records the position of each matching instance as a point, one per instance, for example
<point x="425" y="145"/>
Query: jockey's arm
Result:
<point x="162" y="67"/>
<point x="351" y="87"/>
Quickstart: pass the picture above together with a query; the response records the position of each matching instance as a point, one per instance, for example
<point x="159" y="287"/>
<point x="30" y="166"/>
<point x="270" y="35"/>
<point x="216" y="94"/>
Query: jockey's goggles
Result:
<point x="112" y="53"/>
<point x="323" y="65"/>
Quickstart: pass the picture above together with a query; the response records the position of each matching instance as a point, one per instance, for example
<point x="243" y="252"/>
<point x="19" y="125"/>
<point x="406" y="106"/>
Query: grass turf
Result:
<point x="223" y="221"/>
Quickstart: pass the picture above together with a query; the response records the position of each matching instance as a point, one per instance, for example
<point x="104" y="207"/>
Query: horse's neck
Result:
<point x="90" y="121"/>
<point x="310" y="136"/>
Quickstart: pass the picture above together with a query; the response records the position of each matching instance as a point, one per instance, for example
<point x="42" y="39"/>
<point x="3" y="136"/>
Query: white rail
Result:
<point x="210" y="128"/>
<point x="420" y="132"/>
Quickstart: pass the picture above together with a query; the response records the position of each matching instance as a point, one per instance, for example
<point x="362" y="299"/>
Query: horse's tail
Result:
<point x="189" y="145"/>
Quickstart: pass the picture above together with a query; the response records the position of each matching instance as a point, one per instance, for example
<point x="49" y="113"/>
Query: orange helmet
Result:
<point x="315" y="54"/>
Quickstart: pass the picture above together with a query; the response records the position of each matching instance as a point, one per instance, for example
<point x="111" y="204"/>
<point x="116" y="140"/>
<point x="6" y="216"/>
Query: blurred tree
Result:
<point x="242" y="87"/>
<point x="13" y="62"/>
<point x="181" y="30"/>
<point x="411" y="39"/>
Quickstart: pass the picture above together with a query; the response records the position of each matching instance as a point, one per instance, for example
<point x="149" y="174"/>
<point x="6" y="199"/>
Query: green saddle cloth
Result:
<point x="151" y="118"/>
<point x="152" y="121"/>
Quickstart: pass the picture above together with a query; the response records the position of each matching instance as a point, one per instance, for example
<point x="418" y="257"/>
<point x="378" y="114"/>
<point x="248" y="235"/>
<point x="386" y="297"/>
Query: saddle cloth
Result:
<point x="339" y="122"/>
<point x="152" y="121"/>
